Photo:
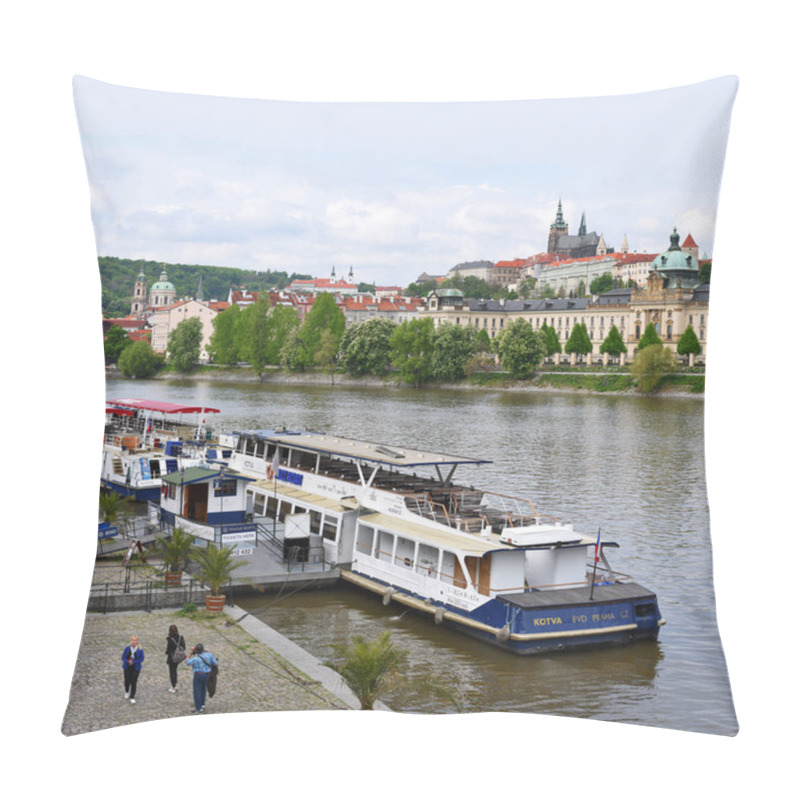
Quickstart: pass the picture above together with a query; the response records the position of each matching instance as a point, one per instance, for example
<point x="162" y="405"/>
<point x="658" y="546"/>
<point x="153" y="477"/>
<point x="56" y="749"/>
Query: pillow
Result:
<point x="308" y="309"/>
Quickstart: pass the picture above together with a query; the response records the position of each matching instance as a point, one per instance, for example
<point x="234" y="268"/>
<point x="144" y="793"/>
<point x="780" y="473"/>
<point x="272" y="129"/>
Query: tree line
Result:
<point x="418" y="352"/>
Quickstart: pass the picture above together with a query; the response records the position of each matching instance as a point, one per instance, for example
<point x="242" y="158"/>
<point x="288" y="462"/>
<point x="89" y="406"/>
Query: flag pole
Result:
<point x="596" y="559"/>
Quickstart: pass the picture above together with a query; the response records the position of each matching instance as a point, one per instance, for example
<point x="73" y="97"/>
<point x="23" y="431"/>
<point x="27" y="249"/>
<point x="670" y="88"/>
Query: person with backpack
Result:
<point x="176" y="652"/>
<point x="201" y="663"/>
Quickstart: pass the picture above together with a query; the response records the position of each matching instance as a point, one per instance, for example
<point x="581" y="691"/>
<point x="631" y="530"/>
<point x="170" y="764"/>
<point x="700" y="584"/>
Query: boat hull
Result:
<point x="138" y="493"/>
<point x="528" y="624"/>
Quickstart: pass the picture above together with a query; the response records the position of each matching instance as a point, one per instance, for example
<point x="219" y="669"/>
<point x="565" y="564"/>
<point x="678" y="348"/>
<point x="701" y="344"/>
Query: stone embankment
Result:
<point x="260" y="670"/>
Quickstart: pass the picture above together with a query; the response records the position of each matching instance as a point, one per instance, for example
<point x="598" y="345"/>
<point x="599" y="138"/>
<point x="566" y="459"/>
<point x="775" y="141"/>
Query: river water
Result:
<point x="632" y="466"/>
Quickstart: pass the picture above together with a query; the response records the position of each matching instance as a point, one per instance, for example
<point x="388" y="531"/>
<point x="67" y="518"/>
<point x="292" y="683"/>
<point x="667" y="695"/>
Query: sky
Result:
<point x="394" y="190"/>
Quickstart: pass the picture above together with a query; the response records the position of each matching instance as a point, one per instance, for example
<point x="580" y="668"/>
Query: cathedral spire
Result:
<point x="582" y="229"/>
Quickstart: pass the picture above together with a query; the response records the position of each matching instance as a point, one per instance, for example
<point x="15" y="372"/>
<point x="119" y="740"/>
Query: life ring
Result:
<point x="270" y="472"/>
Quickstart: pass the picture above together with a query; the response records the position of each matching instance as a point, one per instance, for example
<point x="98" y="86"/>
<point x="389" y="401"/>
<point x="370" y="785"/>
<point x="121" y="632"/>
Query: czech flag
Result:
<point x="597" y="547"/>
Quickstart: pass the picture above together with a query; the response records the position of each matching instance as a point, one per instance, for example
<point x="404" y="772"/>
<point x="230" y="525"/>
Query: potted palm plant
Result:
<point x="216" y="565"/>
<point x="175" y="553"/>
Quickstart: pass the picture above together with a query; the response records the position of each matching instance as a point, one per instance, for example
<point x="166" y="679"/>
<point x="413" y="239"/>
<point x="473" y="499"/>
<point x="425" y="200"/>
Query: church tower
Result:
<point x="558" y="229"/>
<point x="139" y="295"/>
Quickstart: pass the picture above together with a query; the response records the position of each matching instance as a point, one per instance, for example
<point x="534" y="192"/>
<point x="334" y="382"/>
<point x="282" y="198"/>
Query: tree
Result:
<point x="603" y="283"/>
<point x="139" y="361"/>
<point x="325" y="354"/>
<point x="688" y="343"/>
<point x="552" y="342"/>
<point x="368" y="667"/>
<point x="651" y="364"/>
<point x="483" y="342"/>
<point x="705" y="272"/>
<point x="613" y="343"/>
<point x="579" y="341"/>
<point x="111" y="505"/>
<point x="251" y="337"/>
<point x="324" y="315"/>
<point x="412" y="350"/>
<point x="649" y="337"/>
<point x="520" y="348"/>
<point x="183" y="344"/>
<point x="453" y="347"/>
<point x="115" y="342"/>
<point x="216" y="565"/>
<point x="222" y="347"/>
<point x="365" y="348"/>
<point x="281" y="323"/>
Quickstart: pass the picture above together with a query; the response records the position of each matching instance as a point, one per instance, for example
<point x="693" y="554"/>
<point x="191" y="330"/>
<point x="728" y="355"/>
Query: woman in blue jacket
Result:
<point x="201" y="661"/>
<point x="132" y="658"/>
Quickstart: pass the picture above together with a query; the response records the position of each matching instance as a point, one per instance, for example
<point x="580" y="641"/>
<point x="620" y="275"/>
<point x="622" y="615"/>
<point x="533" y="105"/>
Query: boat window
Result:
<point x="260" y="449"/>
<point x="173" y="491"/>
<point x="385" y="544"/>
<point x="225" y="487"/>
<point x="272" y="506"/>
<point x="404" y="554"/>
<point x="316" y="519"/>
<point x="427" y="560"/>
<point x="284" y="509"/>
<point x="329" y="528"/>
<point x="155" y="468"/>
<point x="258" y="504"/>
<point x="364" y="541"/>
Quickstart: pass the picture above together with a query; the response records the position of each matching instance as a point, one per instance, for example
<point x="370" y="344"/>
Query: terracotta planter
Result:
<point x="172" y="578"/>
<point x="215" y="603"/>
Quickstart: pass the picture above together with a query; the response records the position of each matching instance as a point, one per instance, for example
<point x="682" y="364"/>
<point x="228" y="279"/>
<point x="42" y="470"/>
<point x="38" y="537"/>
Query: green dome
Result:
<point x="162" y="285"/>
<point x="676" y="265"/>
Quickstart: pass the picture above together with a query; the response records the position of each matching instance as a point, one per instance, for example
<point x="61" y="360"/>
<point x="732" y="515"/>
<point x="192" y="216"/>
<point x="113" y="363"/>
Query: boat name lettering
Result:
<point x="290" y="477"/>
<point x="539" y="621"/>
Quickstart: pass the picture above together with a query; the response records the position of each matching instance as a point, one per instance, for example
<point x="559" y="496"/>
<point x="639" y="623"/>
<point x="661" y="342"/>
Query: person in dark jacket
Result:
<point x="174" y="640"/>
<point x="132" y="659"/>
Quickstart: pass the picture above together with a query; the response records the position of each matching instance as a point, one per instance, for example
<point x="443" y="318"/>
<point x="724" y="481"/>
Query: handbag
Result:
<point x="212" y="681"/>
<point x="179" y="654"/>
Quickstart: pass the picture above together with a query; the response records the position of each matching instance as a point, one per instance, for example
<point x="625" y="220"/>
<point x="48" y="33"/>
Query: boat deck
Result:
<point x="577" y="597"/>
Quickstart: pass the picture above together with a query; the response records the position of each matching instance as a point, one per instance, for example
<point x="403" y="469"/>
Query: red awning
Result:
<point x="161" y="407"/>
<point x="120" y="412"/>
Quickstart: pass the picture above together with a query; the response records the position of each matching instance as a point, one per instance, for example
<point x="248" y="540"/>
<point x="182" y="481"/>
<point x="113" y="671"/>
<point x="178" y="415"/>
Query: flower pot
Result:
<point x="172" y="578"/>
<point x="215" y="603"/>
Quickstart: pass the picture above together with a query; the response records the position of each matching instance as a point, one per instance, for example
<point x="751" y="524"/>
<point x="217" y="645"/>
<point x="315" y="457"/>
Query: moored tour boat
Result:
<point x="483" y="563"/>
<point x="145" y="440"/>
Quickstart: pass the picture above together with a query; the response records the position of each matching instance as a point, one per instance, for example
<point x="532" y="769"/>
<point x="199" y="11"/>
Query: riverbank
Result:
<point x="574" y="382"/>
<point x="260" y="670"/>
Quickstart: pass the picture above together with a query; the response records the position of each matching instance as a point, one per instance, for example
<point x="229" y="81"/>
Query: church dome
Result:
<point x="677" y="265"/>
<point x="162" y="284"/>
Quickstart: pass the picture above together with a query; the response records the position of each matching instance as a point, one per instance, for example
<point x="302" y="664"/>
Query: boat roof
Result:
<point x="197" y="474"/>
<point x="343" y="447"/>
<point x="158" y="405"/>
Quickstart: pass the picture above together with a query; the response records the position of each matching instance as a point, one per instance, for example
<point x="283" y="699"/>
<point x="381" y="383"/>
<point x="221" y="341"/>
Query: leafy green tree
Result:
<point x="369" y="668"/>
<point x="115" y="342"/>
<point x="325" y="354"/>
<point x="651" y="364"/>
<point x="325" y="314"/>
<point x="281" y="322"/>
<point x="520" y="348"/>
<point x="222" y="344"/>
<point x="581" y="289"/>
<point x="552" y="342"/>
<point x="705" y="272"/>
<point x="251" y="336"/>
<point x="365" y="348"/>
<point x="527" y="288"/>
<point x="421" y="289"/>
<point x="579" y="341"/>
<point x="483" y="342"/>
<point x="453" y="347"/>
<point x="183" y="344"/>
<point x="613" y="343"/>
<point x="412" y="350"/>
<point x="689" y="343"/>
<point x="649" y="337"/>
<point x="603" y="283"/>
<point x="139" y="361"/>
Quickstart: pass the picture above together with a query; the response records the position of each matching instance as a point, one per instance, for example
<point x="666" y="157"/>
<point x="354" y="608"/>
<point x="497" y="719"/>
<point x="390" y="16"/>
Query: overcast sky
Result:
<point x="394" y="190"/>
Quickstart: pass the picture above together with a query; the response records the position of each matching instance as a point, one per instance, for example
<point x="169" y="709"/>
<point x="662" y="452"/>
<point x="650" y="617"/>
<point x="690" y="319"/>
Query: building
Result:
<point x="561" y="243"/>
<point x="672" y="299"/>
<point x="164" y="320"/>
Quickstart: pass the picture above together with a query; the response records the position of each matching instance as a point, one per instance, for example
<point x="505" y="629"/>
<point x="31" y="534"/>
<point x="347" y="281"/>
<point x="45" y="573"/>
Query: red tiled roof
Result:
<point x="689" y="242"/>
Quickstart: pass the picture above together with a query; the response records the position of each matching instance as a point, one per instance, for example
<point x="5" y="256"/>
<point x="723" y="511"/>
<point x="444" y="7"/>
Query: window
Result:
<point x="225" y="487"/>
<point x="329" y="527"/>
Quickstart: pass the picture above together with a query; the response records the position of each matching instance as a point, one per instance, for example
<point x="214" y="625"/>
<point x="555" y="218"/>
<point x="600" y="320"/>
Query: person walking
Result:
<point x="201" y="662"/>
<point x="132" y="659"/>
<point x="175" y="642"/>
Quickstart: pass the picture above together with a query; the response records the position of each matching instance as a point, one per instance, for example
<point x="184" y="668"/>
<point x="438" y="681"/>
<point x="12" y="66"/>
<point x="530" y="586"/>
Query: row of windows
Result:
<point x="276" y="508"/>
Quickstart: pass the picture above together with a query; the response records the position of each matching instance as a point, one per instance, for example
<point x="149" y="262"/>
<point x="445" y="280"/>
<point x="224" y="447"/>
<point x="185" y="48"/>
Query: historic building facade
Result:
<point x="672" y="300"/>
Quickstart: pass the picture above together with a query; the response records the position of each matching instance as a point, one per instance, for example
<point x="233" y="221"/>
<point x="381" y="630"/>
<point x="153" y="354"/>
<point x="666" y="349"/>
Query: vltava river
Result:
<point x="632" y="466"/>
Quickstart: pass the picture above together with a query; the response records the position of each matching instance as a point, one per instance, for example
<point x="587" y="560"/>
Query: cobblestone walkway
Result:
<point x="251" y="676"/>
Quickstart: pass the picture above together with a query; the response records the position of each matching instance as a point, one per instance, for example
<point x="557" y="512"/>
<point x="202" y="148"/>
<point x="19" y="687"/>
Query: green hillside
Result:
<point x="118" y="276"/>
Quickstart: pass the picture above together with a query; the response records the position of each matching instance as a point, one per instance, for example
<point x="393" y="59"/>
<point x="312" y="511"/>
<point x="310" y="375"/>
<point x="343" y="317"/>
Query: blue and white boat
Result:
<point x="145" y="440"/>
<point x="395" y="523"/>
